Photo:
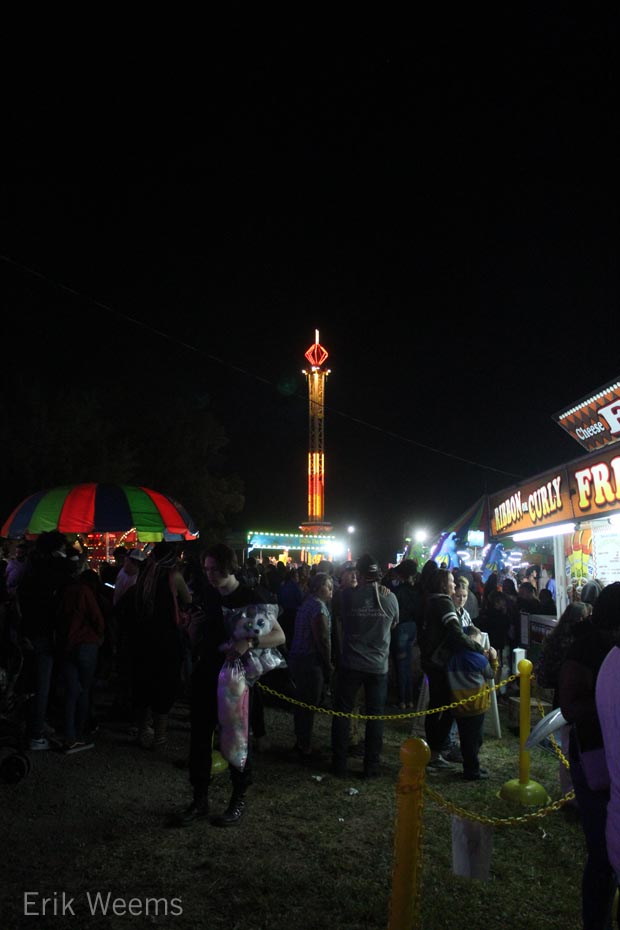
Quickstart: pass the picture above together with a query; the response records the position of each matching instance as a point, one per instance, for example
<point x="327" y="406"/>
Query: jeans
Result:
<point x="348" y="682"/>
<point x="597" y="882"/>
<point x="43" y="664"/>
<point x="403" y="639"/>
<point x="309" y="680"/>
<point x="437" y="726"/>
<point x="78" y="673"/>
<point x="470" y="735"/>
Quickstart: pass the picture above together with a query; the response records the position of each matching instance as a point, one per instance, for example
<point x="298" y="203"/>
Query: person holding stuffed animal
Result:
<point x="250" y="623"/>
<point x="223" y="592"/>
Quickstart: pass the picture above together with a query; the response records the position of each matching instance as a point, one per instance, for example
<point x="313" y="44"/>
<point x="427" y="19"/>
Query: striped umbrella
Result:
<point x="101" y="508"/>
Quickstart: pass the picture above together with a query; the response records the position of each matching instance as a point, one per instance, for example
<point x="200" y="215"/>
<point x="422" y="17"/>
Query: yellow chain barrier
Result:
<point x="408" y="716"/>
<point x="434" y="795"/>
<point x="498" y="821"/>
<point x="509" y="821"/>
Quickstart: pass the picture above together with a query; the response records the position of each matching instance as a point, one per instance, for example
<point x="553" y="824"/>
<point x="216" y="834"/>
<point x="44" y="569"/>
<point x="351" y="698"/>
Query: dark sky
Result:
<point x="445" y="216"/>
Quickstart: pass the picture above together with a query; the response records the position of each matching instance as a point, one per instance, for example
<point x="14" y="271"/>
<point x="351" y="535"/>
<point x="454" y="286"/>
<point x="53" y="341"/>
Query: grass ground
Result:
<point x="311" y="852"/>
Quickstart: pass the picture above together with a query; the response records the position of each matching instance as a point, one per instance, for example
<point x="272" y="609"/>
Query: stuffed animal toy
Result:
<point x="248" y="623"/>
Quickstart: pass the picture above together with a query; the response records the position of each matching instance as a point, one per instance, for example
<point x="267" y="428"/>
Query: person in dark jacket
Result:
<point x="79" y="634"/>
<point x="596" y="636"/>
<point x="405" y="633"/>
<point x="38" y="595"/>
<point x="157" y="651"/>
<point x="223" y="590"/>
<point x="441" y="637"/>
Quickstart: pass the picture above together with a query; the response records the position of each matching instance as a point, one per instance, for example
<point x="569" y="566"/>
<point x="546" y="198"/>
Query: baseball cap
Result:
<point x="368" y="566"/>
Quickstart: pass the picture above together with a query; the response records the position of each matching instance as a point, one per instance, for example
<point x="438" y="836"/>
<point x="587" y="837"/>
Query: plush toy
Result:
<point x="248" y="623"/>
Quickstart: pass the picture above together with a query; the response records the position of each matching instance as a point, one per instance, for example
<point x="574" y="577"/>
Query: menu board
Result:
<point x="606" y="551"/>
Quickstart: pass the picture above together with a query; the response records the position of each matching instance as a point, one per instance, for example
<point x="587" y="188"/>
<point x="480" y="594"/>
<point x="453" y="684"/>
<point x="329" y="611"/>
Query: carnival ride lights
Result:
<point x="316" y="376"/>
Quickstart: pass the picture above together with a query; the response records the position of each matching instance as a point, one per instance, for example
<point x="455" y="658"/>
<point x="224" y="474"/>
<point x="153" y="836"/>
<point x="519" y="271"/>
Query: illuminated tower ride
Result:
<point x="316" y="355"/>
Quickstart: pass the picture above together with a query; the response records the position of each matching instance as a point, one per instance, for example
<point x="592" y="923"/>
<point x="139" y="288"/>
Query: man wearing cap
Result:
<point x="369" y="613"/>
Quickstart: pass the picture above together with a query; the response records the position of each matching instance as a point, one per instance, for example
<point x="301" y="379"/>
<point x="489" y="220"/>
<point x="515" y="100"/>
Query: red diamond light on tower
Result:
<point x="316" y="354"/>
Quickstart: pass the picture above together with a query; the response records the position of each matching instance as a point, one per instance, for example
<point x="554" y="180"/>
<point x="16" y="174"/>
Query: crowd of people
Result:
<point x="152" y="623"/>
<point x="156" y="623"/>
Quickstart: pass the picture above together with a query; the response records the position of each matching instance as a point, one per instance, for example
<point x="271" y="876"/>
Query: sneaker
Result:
<point x="41" y="743"/>
<point x="476" y="776"/>
<point x="454" y="755"/>
<point x="77" y="745"/>
<point x="439" y="765"/>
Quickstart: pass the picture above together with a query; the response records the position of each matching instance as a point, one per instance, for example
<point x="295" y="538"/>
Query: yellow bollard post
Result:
<point x="523" y="790"/>
<point x="407" y="866"/>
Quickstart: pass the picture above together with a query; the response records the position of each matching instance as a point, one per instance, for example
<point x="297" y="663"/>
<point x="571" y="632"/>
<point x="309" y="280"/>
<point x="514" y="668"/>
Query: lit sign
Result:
<point x="542" y="502"/>
<point x="529" y="506"/>
<point x="594" y="421"/>
<point x="597" y="486"/>
<point x="587" y="487"/>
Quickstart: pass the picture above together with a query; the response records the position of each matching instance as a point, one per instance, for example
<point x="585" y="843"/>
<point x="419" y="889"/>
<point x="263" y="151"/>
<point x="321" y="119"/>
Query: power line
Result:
<point x="180" y="343"/>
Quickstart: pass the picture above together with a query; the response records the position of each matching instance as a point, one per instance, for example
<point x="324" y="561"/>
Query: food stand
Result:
<point x="575" y="508"/>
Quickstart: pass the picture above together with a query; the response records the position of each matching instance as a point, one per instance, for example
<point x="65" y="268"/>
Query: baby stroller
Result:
<point x="14" y="762"/>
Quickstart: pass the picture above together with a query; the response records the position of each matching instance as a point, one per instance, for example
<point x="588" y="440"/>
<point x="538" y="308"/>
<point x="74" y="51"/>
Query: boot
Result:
<point x="160" y="727"/>
<point x="233" y="813"/>
<point x="194" y="811"/>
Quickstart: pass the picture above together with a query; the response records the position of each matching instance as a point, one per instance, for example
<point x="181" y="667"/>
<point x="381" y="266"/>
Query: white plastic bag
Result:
<point x="472" y="847"/>
<point x="233" y="713"/>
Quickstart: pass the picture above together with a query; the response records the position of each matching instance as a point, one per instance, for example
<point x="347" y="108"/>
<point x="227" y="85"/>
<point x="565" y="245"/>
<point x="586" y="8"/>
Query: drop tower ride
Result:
<point x="317" y="375"/>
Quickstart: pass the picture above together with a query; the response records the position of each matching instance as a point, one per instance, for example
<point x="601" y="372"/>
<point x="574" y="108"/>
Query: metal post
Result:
<point x="407" y="868"/>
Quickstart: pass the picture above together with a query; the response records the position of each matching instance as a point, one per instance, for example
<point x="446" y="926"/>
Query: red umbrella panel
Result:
<point x="101" y="508"/>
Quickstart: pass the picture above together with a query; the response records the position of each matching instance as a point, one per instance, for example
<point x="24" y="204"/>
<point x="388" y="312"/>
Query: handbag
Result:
<point x="594" y="766"/>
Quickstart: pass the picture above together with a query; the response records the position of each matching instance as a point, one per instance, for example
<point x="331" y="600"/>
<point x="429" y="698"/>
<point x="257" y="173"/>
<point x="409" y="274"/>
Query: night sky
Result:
<point x="445" y="216"/>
